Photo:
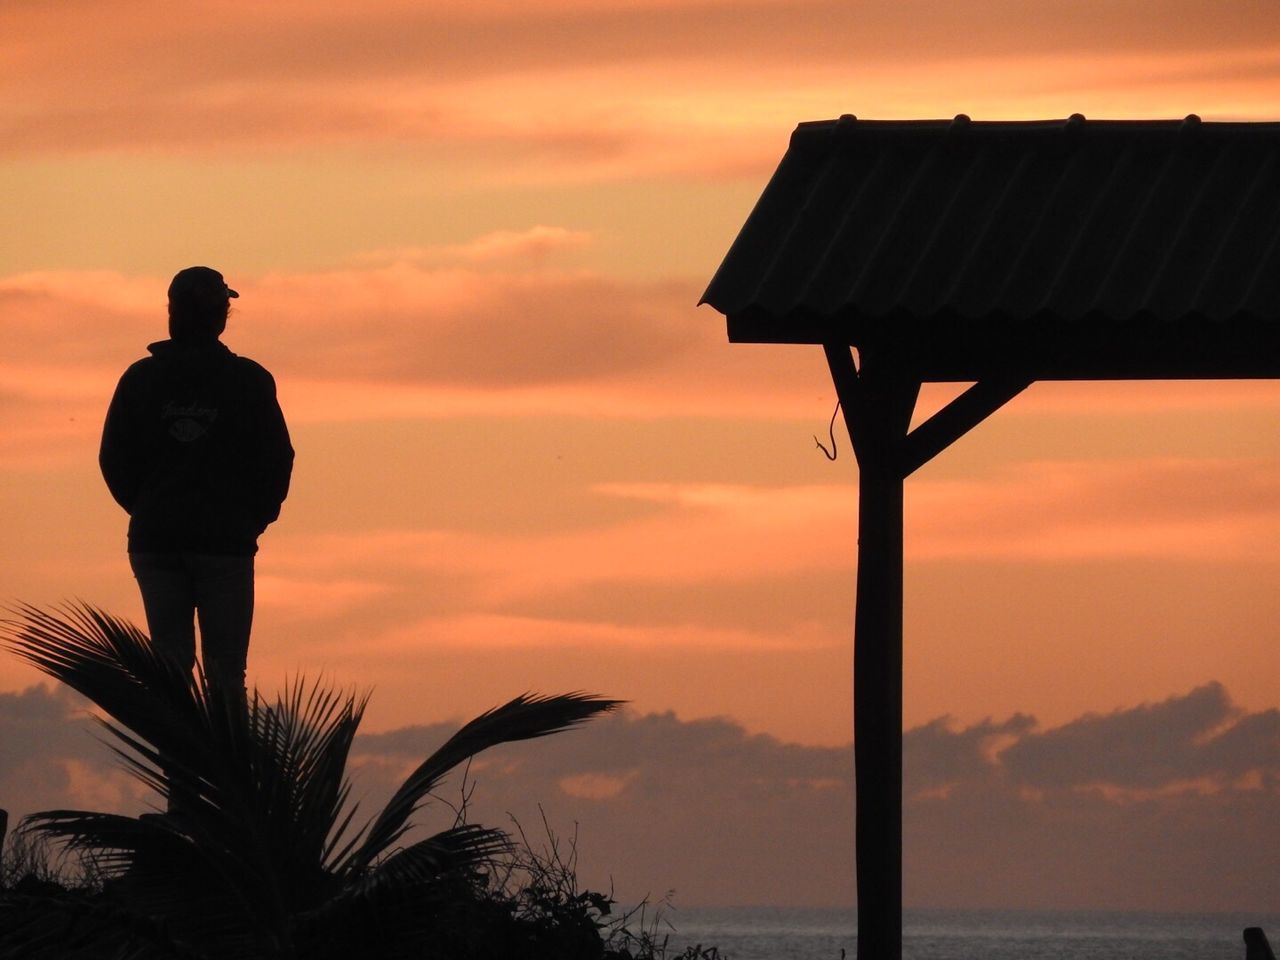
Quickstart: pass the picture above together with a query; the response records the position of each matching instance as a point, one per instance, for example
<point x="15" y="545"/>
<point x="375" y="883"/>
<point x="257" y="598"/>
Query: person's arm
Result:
<point x="120" y="455"/>
<point x="276" y="452"/>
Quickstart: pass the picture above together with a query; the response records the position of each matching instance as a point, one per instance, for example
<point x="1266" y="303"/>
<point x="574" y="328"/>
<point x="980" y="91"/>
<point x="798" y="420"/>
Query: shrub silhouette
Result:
<point x="257" y="855"/>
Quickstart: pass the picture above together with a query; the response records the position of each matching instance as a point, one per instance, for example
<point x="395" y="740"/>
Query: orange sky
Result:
<point x="469" y="240"/>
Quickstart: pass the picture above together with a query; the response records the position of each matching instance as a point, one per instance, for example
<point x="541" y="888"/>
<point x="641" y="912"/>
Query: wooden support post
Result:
<point x="877" y="709"/>
<point x="878" y="403"/>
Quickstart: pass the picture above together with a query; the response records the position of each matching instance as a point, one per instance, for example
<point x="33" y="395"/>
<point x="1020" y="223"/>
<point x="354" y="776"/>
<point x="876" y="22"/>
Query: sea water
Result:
<point x="781" y="933"/>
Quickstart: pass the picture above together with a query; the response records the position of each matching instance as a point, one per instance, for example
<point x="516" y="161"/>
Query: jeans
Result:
<point x="176" y="588"/>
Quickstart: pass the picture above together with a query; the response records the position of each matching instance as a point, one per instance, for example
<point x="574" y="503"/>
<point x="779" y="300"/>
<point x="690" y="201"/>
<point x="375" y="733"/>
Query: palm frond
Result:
<point x="526" y="717"/>
<point x="101" y="656"/>
<point x="432" y="892"/>
<point x="113" y="837"/>
<point x="113" y="664"/>
<point x="309" y="735"/>
<point x="164" y="717"/>
<point x="162" y="868"/>
<point x="464" y="847"/>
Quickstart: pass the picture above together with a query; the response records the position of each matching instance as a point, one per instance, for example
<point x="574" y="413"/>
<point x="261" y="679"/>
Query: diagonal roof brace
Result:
<point x="930" y="438"/>
<point x="956" y="419"/>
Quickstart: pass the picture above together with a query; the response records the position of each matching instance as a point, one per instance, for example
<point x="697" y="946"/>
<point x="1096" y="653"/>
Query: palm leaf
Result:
<point x="460" y="848"/>
<point x="311" y="732"/>
<point x="160" y="870"/>
<point x="110" y="662"/>
<point x="524" y="718"/>
<point x="431" y="889"/>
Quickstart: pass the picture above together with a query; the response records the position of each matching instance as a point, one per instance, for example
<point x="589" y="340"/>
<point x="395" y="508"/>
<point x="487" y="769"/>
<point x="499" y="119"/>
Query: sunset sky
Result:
<point x="469" y="239"/>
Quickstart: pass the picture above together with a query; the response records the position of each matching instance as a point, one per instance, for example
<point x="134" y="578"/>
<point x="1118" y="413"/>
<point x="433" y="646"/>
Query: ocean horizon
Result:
<point x="820" y="933"/>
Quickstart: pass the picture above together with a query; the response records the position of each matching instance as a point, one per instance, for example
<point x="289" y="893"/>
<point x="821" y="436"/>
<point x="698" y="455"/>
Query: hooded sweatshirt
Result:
<point x="195" y="448"/>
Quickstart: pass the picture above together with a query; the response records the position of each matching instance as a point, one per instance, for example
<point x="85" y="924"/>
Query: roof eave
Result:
<point x="950" y="349"/>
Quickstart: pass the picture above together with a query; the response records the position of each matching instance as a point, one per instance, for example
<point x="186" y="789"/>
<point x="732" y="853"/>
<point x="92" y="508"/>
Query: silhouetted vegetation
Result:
<point x="30" y="863"/>
<point x="256" y="854"/>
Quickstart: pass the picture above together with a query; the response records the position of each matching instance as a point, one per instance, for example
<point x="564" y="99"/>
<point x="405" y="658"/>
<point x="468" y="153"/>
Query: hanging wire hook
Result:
<point x="831" y="432"/>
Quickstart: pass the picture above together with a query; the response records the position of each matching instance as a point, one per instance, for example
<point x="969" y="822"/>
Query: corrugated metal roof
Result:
<point x="1076" y="248"/>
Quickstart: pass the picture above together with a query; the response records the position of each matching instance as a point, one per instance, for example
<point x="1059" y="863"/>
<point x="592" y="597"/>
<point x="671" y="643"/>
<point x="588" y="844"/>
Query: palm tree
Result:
<point x="256" y="855"/>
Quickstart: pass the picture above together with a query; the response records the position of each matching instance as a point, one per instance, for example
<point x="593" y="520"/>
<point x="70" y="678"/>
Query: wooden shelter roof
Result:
<point x="1058" y="249"/>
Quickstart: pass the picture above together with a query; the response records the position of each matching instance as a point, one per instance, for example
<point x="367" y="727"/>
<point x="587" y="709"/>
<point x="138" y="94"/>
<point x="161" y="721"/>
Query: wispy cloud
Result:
<point x="536" y="244"/>
<point x="501" y="325"/>
<point x="488" y="327"/>
<point x="1045" y="511"/>
<point x="667" y="79"/>
<point x="298" y="599"/>
<point x="1042" y="512"/>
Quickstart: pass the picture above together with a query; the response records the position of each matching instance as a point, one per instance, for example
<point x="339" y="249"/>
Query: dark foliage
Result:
<point x="256" y="855"/>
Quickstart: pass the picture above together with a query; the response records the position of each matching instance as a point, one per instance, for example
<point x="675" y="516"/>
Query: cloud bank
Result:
<point x="1165" y="806"/>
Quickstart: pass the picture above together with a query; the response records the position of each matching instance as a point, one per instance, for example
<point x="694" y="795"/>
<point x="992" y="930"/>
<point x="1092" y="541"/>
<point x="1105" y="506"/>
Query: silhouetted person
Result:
<point x="195" y="448"/>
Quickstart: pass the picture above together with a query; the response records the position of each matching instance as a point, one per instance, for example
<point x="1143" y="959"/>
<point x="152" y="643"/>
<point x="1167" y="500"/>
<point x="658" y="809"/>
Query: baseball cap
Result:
<point x="199" y="282"/>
